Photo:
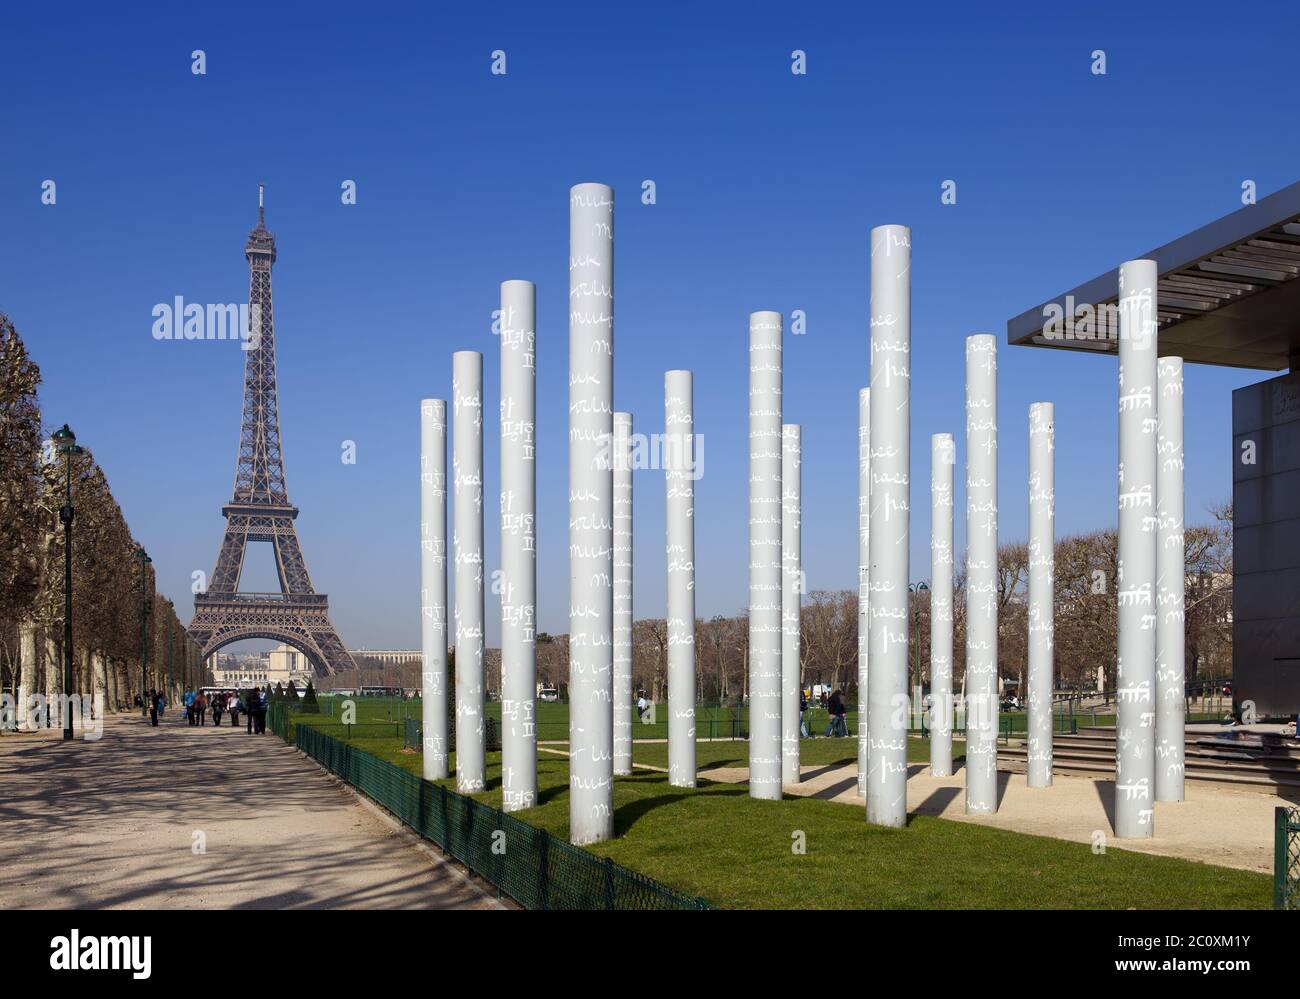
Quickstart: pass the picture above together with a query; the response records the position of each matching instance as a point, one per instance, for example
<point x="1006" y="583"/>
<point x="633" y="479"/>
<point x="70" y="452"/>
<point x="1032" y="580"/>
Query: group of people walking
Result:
<point x="835" y="708"/>
<point x="252" y="704"/>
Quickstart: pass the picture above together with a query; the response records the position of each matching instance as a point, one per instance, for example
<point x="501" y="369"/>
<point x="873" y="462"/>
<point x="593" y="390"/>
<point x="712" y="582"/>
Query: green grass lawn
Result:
<point x="812" y="752"/>
<point x="736" y="852"/>
<point x="711" y="721"/>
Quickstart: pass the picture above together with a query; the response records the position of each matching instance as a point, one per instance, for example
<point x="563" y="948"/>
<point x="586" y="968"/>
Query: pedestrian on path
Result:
<point x="201" y="708"/>
<point x="236" y="709"/>
<point x="218" y="708"/>
<point x="189" y="705"/>
<point x="253" y="696"/>
<point x="836" y="707"/>
<point x="153" y="708"/>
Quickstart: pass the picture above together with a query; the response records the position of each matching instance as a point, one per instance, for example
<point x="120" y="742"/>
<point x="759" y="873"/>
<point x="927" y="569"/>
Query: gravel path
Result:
<point x="181" y="817"/>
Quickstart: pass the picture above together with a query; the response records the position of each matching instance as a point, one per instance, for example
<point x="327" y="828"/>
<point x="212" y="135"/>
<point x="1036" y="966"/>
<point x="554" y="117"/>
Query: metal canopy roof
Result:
<point x="1227" y="294"/>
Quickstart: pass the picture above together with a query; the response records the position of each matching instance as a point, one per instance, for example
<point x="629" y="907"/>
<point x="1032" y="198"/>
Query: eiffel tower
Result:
<point x="261" y="511"/>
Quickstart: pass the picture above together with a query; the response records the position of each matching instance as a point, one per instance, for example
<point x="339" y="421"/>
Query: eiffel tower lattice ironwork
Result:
<point x="260" y="509"/>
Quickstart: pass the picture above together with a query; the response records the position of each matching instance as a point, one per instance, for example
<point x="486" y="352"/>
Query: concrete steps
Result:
<point x="1263" y="762"/>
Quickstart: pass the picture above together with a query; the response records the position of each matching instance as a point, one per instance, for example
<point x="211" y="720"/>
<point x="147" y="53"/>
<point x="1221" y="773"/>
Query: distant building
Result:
<point x="279" y="666"/>
<point x="382" y="658"/>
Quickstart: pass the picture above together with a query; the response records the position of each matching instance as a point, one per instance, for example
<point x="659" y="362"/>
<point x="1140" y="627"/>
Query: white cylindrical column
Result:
<point x="1136" y="660"/>
<point x="679" y="484"/>
<point x="467" y="519"/>
<point x="942" y="459"/>
<point x="622" y="594"/>
<point x="591" y="513"/>
<point x="1171" y="566"/>
<point x="981" y="574"/>
<point x="791" y="575"/>
<point x="433" y="588"/>
<point x="765" y="555"/>
<point x="891" y="444"/>
<point x="1042" y="610"/>
<point x="864" y="577"/>
<point x="518" y="546"/>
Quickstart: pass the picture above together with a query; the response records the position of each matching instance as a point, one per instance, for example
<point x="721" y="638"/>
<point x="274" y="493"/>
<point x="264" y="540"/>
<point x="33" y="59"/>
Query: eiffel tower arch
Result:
<point x="260" y="509"/>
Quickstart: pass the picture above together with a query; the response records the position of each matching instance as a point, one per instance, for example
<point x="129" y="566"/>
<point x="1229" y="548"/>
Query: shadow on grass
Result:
<point x="628" y="814"/>
<point x="551" y="793"/>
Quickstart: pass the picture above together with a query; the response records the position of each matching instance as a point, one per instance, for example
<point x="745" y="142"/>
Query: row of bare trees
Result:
<point x="119" y="621"/>
<point x="1085" y="640"/>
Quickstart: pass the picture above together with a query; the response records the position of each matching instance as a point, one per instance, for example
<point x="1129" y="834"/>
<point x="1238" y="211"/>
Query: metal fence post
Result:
<point x="1280" y="856"/>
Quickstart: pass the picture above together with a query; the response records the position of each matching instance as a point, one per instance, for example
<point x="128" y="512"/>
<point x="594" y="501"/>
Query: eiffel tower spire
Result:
<point x="259" y="509"/>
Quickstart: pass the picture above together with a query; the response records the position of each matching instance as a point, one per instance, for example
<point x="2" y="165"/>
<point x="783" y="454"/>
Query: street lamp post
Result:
<point x="67" y="443"/>
<point x="144" y="618"/>
<point x="167" y="681"/>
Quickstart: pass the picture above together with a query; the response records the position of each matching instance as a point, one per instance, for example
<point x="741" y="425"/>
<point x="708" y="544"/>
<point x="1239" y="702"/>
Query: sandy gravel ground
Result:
<point x="117" y="824"/>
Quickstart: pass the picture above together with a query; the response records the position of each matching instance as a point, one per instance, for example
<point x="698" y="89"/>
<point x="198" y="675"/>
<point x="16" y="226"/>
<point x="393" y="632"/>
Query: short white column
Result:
<point x="1135" y="590"/>
<point x="765" y="555"/>
<point x="1042" y="567"/>
<point x="433" y="588"/>
<point x="467" y="519"/>
<point x="1171" y="567"/>
<point x="791" y="575"/>
<point x="622" y="594"/>
<point x="679" y="487"/>
<point x="891" y="451"/>
<point x="591" y="513"/>
<point x="981" y="574"/>
<point x="942" y="459"/>
<point x="864" y="578"/>
<point x="518" y="410"/>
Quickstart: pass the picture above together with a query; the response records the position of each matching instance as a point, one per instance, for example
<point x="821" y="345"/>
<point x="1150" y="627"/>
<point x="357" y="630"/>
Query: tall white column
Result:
<point x="591" y="513"/>
<point x="433" y="588"/>
<point x="679" y="486"/>
<point x="467" y="519"/>
<point x="1136" y="659"/>
<point x="1171" y="566"/>
<point x="981" y="574"/>
<point x="942" y="459"/>
<point x="518" y="545"/>
<point x="1042" y="569"/>
<point x="864" y="577"/>
<point x="792" y="565"/>
<point x="891" y="449"/>
<point x="622" y="594"/>
<point x="765" y="555"/>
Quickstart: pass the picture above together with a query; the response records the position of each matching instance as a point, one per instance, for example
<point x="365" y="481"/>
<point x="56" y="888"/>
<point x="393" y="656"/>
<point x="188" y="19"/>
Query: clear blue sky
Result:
<point x="768" y="184"/>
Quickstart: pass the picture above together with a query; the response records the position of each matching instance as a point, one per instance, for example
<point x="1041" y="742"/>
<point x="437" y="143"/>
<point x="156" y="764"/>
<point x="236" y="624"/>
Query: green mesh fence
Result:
<point x="526" y="863"/>
<point x="1286" y="860"/>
